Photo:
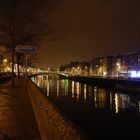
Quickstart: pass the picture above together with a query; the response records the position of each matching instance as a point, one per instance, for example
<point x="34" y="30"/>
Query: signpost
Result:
<point x="26" y="50"/>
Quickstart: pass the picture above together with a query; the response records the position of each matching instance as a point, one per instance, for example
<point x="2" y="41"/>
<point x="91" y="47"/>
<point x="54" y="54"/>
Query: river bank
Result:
<point x="93" y="109"/>
<point x="111" y="83"/>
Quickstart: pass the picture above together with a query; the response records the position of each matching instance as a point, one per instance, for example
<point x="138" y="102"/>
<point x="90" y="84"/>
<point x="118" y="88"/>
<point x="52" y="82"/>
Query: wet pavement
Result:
<point x="17" y="121"/>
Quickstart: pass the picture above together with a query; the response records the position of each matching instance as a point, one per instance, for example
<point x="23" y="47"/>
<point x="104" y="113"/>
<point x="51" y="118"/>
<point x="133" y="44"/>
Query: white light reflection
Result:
<point x="33" y="79"/>
<point x="95" y="96"/>
<point x="95" y="89"/>
<point x="38" y="83"/>
<point x="85" y="92"/>
<point x="57" y="88"/>
<point x="39" y="80"/>
<point x="111" y="100"/>
<point x="48" y="86"/>
<point x="124" y="101"/>
<point x="72" y="89"/>
<point x="63" y="87"/>
<point x="77" y="90"/>
<point x="116" y="103"/>
<point x="101" y="98"/>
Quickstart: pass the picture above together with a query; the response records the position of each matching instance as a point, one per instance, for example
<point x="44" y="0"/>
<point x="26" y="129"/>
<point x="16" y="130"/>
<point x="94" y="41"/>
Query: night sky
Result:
<point x="88" y="28"/>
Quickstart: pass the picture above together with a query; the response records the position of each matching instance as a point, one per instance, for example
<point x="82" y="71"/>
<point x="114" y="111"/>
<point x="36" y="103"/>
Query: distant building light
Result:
<point x="135" y="74"/>
<point x="118" y="64"/>
<point x="104" y="73"/>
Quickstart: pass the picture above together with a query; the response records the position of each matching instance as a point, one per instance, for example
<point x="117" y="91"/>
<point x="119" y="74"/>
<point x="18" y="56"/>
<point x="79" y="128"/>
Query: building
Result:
<point x="102" y="66"/>
<point x="111" y="66"/>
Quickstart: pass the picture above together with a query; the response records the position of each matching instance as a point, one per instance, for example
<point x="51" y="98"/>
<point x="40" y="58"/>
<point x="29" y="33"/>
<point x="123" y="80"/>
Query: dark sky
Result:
<point x="89" y="28"/>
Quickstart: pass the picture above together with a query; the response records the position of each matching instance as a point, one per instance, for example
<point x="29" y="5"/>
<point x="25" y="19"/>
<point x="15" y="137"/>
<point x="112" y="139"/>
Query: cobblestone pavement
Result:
<point x="17" y="121"/>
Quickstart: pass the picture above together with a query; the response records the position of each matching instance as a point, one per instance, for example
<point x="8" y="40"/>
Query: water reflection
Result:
<point x="57" y="89"/>
<point x="96" y="110"/>
<point x="116" y="103"/>
<point x="47" y="85"/>
<point x="66" y="86"/>
<point x="77" y="91"/>
<point x="85" y="92"/>
<point x="110" y="98"/>
<point x="89" y="95"/>
<point x="139" y="107"/>
<point x="73" y="89"/>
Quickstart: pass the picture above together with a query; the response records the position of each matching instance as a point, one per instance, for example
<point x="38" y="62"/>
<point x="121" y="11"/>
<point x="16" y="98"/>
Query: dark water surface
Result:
<point x="101" y="113"/>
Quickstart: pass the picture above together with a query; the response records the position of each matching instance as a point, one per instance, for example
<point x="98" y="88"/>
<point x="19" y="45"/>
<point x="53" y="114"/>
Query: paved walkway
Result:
<point x="17" y="120"/>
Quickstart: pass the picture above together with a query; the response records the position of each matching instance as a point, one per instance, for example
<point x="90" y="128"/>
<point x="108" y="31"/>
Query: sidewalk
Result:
<point x="17" y="121"/>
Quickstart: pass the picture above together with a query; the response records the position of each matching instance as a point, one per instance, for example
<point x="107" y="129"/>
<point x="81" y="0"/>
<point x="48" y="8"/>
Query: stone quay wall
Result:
<point x="52" y="123"/>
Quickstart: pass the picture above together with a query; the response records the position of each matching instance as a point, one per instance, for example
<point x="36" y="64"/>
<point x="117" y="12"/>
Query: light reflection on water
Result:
<point x="77" y="99"/>
<point x="139" y="107"/>
<point x="72" y="89"/>
<point x="116" y="103"/>
<point x="99" y="98"/>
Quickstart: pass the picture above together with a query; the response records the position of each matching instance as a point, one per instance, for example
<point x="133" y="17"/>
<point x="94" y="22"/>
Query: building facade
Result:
<point x="111" y="66"/>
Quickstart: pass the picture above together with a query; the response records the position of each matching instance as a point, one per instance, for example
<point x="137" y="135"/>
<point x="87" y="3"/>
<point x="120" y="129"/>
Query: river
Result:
<point x="100" y="113"/>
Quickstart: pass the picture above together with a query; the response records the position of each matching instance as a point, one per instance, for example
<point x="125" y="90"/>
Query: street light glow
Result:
<point x="5" y="60"/>
<point x="118" y="64"/>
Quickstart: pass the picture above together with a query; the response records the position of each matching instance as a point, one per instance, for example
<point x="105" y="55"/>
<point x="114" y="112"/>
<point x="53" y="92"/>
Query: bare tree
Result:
<point x="22" y="22"/>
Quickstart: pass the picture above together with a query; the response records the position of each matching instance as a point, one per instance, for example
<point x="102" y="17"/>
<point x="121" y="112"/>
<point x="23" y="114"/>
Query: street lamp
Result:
<point x="118" y="65"/>
<point x="4" y="64"/>
<point x="118" y="68"/>
<point x="5" y="60"/>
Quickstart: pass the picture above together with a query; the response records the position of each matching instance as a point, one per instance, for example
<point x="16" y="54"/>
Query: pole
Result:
<point x="13" y="62"/>
<point x="26" y="72"/>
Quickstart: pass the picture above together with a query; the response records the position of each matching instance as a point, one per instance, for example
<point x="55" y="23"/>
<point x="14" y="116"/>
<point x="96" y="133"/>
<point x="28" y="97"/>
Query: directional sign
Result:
<point x="26" y="49"/>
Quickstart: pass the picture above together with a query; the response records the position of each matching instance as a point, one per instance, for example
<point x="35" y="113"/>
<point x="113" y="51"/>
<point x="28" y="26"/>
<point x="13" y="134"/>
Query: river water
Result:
<point x="100" y="113"/>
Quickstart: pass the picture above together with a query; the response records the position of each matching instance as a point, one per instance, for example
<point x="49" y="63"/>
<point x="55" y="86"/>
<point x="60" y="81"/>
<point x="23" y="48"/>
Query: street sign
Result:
<point x="26" y="49"/>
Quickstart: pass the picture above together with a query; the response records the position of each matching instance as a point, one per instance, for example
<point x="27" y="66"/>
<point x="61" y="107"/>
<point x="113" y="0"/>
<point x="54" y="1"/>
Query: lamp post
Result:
<point x="118" y="67"/>
<point x="4" y="64"/>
